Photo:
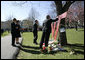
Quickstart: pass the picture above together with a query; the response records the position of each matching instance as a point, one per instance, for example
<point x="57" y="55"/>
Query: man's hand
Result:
<point x="22" y="28"/>
<point x="62" y="15"/>
<point x="16" y="27"/>
<point x="59" y="17"/>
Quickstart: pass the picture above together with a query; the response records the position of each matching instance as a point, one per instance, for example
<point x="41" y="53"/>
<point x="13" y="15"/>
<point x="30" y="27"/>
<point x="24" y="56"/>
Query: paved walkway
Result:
<point x="7" y="50"/>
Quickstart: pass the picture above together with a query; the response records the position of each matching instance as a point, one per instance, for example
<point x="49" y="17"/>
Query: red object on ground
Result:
<point x="44" y="46"/>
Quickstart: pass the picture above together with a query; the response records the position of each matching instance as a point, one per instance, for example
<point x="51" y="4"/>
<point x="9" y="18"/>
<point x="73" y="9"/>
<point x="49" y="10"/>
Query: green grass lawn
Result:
<point x="4" y="34"/>
<point x="31" y="51"/>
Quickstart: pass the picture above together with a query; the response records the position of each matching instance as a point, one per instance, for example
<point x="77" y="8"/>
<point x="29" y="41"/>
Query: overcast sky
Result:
<point x="8" y="8"/>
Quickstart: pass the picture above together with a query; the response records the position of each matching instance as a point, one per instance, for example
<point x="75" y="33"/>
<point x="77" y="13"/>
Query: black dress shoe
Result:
<point x="17" y="43"/>
<point x="36" y="43"/>
<point x="13" y="45"/>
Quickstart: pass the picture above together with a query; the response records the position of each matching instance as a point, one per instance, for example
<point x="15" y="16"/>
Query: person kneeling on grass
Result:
<point x="46" y="31"/>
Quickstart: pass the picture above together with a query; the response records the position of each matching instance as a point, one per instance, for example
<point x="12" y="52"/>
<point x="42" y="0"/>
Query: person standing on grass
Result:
<point x="18" y="28"/>
<point x="13" y="31"/>
<point x="76" y="25"/>
<point x="35" y="31"/>
<point x="46" y="31"/>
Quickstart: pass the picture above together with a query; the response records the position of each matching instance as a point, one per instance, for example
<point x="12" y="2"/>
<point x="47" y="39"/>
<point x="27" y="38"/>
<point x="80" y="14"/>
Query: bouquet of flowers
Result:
<point x="54" y="46"/>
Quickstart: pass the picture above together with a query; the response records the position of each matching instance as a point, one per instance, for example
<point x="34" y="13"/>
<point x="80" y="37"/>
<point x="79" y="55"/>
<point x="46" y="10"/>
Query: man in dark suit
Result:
<point x="35" y="31"/>
<point x="13" y="31"/>
<point x="46" y="30"/>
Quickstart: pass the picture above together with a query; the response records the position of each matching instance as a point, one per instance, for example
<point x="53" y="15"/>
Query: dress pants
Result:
<point x="13" y="39"/>
<point x="45" y="39"/>
<point x="35" y="36"/>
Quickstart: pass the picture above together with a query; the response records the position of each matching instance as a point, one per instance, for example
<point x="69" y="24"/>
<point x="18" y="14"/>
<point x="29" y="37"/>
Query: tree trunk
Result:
<point x="60" y="10"/>
<point x="62" y="35"/>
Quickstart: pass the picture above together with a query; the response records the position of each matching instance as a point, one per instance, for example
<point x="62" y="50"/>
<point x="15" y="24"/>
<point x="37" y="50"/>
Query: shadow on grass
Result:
<point x="36" y="52"/>
<point x="29" y="51"/>
<point x="79" y="47"/>
<point x="33" y="51"/>
<point x="76" y="46"/>
<point x="30" y="47"/>
<point x="54" y="52"/>
<point x="79" y="52"/>
<point x="80" y="30"/>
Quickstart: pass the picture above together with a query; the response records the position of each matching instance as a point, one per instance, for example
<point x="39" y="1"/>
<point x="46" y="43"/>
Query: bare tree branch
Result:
<point x="58" y="7"/>
<point x="67" y="5"/>
<point x="19" y="3"/>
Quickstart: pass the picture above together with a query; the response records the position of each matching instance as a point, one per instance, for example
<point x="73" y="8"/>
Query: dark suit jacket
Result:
<point x="47" y="25"/>
<point x="17" y="30"/>
<point x="13" y="28"/>
<point x="35" y="26"/>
